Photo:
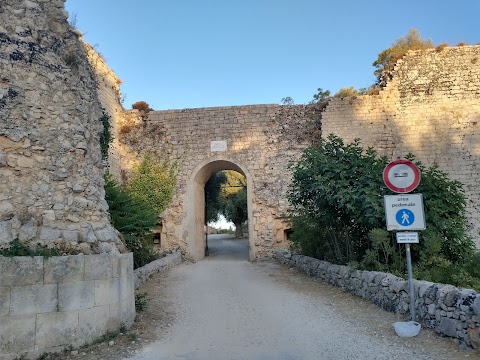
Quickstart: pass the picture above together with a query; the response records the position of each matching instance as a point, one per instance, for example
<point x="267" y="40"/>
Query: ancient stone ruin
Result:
<point x="53" y="87"/>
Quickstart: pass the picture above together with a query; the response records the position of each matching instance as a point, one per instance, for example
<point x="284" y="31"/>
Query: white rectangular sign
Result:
<point x="404" y="212"/>
<point x="220" y="145"/>
<point x="407" y="238"/>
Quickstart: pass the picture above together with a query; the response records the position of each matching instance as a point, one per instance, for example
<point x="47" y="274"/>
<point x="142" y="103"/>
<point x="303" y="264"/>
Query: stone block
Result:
<point x="33" y="299"/>
<point x="56" y="329"/>
<point x="4" y="301"/>
<point x="61" y="269"/>
<point x="21" y="270"/>
<point x="98" y="267"/>
<point x="107" y="291"/>
<point x="27" y="232"/>
<point x="448" y="327"/>
<point x="5" y="232"/>
<point x="17" y="333"/>
<point x="93" y="322"/>
<point x="476" y="305"/>
<point x="76" y="295"/>
<point x="50" y="234"/>
<point x="121" y="313"/>
<point x="120" y="265"/>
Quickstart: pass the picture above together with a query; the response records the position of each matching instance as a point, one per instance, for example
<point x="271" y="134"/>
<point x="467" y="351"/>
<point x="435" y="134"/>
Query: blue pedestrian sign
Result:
<point x="404" y="212"/>
<point x="405" y="217"/>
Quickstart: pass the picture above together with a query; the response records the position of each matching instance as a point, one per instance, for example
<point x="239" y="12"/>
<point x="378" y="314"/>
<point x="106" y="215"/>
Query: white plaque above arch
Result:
<point x="220" y="145"/>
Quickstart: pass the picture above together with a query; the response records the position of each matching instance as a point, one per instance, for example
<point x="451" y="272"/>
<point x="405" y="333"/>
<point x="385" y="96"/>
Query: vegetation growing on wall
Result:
<point x="153" y="181"/>
<point x="106" y="137"/>
<point x="134" y="219"/>
<point x="337" y="197"/>
<point x="135" y="208"/>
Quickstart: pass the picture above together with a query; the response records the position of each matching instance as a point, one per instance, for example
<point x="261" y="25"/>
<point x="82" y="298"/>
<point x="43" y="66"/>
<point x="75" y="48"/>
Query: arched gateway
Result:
<point x="195" y="191"/>
<point x="258" y="141"/>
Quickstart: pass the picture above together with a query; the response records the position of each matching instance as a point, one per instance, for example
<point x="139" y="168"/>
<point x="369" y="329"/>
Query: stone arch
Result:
<point x="195" y="194"/>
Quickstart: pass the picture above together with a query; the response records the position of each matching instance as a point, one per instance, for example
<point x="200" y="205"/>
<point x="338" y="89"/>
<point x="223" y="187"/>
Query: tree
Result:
<point x="153" y="181"/>
<point x="387" y="59"/>
<point x="234" y="200"/>
<point x="212" y="196"/>
<point x="234" y="208"/>
<point x="320" y="96"/>
<point x="226" y="194"/>
<point x="287" y="101"/>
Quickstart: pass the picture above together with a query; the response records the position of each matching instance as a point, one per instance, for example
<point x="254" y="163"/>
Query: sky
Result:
<point x="180" y="54"/>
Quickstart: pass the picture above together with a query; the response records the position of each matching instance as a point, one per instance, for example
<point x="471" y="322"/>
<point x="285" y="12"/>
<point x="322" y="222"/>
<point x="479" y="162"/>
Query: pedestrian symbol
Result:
<point x="405" y="217"/>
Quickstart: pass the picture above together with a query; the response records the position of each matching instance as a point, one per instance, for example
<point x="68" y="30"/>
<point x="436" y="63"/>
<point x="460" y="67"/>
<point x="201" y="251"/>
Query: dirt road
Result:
<point x="228" y="308"/>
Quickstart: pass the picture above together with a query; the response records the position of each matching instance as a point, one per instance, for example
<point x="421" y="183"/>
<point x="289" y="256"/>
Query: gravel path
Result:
<point x="228" y="308"/>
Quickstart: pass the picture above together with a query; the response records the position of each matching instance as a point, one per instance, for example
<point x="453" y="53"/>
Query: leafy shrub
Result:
<point x="142" y="106"/>
<point x="141" y="301"/>
<point x="134" y="219"/>
<point x="337" y="213"/>
<point x="153" y="181"/>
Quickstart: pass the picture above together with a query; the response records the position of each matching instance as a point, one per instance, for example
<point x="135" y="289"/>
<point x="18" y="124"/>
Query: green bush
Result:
<point x="153" y="181"/>
<point x="134" y="219"/>
<point x="337" y="214"/>
<point x="16" y="248"/>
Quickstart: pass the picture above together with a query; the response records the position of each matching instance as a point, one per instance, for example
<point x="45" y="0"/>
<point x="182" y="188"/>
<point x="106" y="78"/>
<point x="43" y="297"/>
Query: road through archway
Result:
<point x="227" y="308"/>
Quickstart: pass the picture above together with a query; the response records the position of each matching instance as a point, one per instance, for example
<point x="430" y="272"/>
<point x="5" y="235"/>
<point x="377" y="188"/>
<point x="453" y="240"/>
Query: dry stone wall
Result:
<point x="431" y="108"/>
<point x="448" y="310"/>
<point x="51" y="173"/>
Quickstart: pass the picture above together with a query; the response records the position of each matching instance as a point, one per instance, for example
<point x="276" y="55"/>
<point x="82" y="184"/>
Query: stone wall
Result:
<point x="430" y="107"/>
<point x="143" y="273"/>
<point x="51" y="172"/>
<point x="261" y="141"/>
<point x="48" y="304"/>
<point x="448" y="310"/>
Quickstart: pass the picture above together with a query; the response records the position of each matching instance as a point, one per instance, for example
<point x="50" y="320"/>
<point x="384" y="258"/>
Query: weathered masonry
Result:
<point x="51" y="190"/>
<point x="431" y="108"/>
<point x="258" y="141"/>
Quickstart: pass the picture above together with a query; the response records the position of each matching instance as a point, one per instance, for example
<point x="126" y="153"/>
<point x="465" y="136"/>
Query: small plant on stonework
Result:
<point x="441" y="46"/>
<point x="141" y="301"/>
<point x="16" y="248"/>
<point x="106" y="137"/>
<point x="72" y="60"/>
<point x="133" y="218"/>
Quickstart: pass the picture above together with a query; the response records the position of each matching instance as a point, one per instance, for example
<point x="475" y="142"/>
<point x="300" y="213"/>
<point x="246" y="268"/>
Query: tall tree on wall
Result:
<point x="387" y="58"/>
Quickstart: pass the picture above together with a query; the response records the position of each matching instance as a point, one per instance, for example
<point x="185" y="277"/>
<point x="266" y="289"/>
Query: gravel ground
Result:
<point x="228" y="308"/>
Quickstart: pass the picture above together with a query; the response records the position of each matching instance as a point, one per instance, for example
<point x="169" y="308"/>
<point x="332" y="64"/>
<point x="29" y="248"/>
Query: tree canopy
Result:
<point x="226" y="194"/>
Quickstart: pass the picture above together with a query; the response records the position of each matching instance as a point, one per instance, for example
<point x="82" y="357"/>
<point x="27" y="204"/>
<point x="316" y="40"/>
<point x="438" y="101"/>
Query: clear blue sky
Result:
<point x="178" y="54"/>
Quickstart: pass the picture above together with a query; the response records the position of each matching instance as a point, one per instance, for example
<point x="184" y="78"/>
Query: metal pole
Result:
<point x="410" y="282"/>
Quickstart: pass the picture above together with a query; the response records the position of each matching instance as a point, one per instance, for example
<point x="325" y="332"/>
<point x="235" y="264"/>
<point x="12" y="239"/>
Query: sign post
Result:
<point x="404" y="212"/>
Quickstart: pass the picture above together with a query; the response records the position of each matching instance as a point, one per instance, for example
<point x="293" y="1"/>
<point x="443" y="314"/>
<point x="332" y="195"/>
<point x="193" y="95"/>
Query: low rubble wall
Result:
<point x="143" y="273"/>
<point x="49" y="304"/>
<point x="448" y="310"/>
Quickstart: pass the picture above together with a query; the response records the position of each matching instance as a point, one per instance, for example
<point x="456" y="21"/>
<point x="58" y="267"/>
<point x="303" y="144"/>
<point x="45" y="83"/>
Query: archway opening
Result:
<point x="200" y="243"/>
<point x="226" y="216"/>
